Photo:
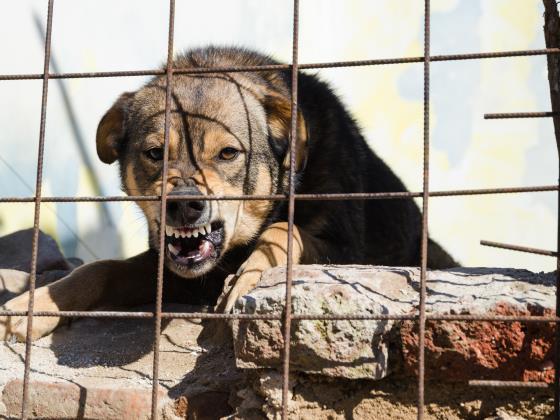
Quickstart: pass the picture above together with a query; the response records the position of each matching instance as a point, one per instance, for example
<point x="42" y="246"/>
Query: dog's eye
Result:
<point x="228" y="153"/>
<point x="155" y="153"/>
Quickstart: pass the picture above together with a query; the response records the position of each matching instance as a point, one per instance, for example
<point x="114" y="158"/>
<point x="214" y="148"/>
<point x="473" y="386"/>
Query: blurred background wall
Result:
<point x="467" y="151"/>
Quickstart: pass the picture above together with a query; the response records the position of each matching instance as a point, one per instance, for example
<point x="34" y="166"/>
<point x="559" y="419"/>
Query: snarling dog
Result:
<point x="229" y="135"/>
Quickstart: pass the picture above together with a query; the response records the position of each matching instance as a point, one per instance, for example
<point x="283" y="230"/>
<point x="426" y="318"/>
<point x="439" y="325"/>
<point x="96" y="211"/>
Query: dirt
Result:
<point x="396" y="398"/>
<point x="392" y="398"/>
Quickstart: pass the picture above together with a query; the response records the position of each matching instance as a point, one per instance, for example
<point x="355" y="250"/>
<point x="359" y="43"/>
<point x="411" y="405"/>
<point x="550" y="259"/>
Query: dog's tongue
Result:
<point x="205" y="249"/>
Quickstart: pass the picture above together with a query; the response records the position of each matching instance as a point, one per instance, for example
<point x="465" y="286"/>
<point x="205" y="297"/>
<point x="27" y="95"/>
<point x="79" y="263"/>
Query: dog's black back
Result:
<point x="379" y="231"/>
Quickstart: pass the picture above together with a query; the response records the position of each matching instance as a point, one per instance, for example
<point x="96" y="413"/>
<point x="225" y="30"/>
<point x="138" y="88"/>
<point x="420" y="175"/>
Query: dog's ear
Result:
<point x="111" y="129"/>
<point x="278" y="113"/>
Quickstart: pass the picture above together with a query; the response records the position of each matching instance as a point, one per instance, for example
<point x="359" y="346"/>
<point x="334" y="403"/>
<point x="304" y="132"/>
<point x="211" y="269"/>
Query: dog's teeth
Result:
<point x="202" y="230"/>
<point x="183" y="234"/>
<point x="208" y="228"/>
<point x="172" y="249"/>
<point x="177" y="234"/>
<point x="188" y="234"/>
<point x="195" y="233"/>
<point x="168" y="230"/>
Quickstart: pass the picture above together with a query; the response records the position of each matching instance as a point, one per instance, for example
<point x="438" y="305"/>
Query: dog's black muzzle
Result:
<point x="188" y="212"/>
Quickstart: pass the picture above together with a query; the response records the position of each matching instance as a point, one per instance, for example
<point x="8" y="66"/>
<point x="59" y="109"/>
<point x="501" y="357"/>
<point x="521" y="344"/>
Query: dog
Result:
<point x="229" y="135"/>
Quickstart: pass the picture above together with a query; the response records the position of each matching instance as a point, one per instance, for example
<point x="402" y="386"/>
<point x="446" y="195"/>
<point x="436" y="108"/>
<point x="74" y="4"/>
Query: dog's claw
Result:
<point x="241" y="269"/>
<point x="243" y="284"/>
<point x="230" y="302"/>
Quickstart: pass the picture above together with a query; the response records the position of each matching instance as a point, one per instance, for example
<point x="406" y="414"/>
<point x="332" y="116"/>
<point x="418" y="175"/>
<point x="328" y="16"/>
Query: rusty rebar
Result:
<point x="301" y="197"/>
<point x="425" y="199"/>
<point x="291" y="210"/>
<point x="519" y="248"/>
<point x="429" y="317"/>
<point x="552" y="38"/>
<point x="163" y="207"/>
<point x="508" y="384"/>
<point x="37" y="214"/>
<point x="276" y="67"/>
<point x="299" y="317"/>
<point x="511" y="115"/>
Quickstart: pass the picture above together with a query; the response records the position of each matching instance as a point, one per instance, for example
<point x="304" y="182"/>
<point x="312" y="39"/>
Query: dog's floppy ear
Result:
<point x="111" y="129"/>
<point x="278" y="113"/>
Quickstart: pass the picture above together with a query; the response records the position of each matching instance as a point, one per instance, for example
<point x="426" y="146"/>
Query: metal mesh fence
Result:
<point x="287" y="317"/>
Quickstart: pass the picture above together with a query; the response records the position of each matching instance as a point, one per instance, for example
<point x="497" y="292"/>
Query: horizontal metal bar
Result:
<point x="521" y="115"/>
<point x="279" y="197"/>
<point x="491" y="318"/>
<point x="276" y="197"/>
<point x="94" y="199"/>
<point x="204" y="315"/>
<point x="354" y="317"/>
<point x="145" y="314"/>
<point x="429" y="317"/>
<point x="520" y="248"/>
<point x="83" y="75"/>
<point x="80" y="314"/>
<point x="276" y="67"/>
<point x="509" y="384"/>
<point x="488" y="191"/>
<point x="318" y="317"/>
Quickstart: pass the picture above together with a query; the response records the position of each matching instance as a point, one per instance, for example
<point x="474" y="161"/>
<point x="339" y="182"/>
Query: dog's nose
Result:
<point x="186" y="212"/>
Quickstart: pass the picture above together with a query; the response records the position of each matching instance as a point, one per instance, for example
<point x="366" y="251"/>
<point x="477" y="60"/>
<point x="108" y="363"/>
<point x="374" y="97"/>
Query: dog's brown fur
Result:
<point x="249" y="112"/>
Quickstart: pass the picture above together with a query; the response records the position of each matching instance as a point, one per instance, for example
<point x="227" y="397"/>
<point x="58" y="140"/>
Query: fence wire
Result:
<point x="286" y="317"/>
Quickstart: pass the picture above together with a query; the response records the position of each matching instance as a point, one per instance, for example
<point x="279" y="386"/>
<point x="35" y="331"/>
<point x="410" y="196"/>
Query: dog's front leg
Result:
<point x="103" y="283"/>
<point x="271" y="251"/>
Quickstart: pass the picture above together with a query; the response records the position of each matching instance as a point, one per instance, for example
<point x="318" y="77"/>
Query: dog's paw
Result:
<point x="15" y="327"/>
<point x="12" y="282"/>
<point x="243" y="284"/>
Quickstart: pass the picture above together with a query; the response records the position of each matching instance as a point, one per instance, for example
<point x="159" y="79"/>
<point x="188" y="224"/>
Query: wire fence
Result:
<point x="286" y="317"/>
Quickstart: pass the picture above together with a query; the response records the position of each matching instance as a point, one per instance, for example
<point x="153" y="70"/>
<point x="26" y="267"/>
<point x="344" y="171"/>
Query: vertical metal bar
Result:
<point x="556" y="326"/>
<point x="79" y="137"/>
<point x="552" y="38"/>
<point x="425" y="197"/>
<point x="291" y="209"/>
<point x="37" y="215"/>
<point x="159" y="291"/>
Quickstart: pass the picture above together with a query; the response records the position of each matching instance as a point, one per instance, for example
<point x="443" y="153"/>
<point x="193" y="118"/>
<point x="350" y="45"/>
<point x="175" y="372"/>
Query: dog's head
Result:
<point x="228" y="135"/>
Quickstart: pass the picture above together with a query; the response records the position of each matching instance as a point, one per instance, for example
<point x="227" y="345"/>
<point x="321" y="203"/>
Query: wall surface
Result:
<point x="467" y="151"/>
